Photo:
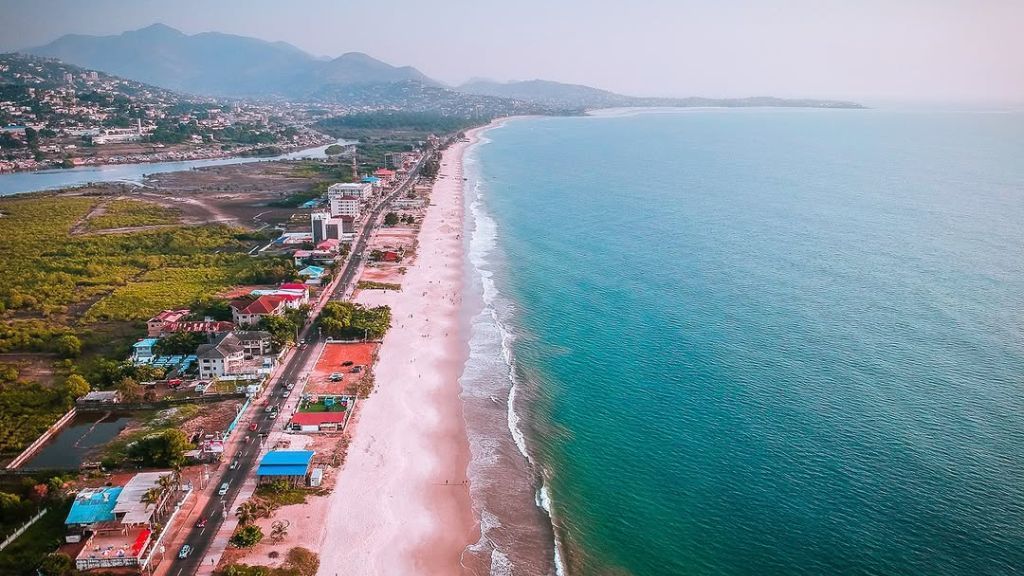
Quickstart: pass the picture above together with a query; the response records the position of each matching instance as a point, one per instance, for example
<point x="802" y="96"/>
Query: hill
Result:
<point x="558" y="94"/>
<point x="221" y="64"/>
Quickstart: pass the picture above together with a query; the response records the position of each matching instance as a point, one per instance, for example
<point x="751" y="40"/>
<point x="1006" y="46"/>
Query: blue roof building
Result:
<point x="93" y="506"/>
<point x="142" y="351"/>
<point x="290" y="465"/>
<point x="312" y="271"/>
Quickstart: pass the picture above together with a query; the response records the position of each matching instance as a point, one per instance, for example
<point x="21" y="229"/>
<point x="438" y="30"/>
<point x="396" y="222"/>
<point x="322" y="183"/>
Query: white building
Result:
<point x="224" y="358"/>
<point x="319" y="220"/>
<point x="345" y="206"/>
<point x="360" y="190"/>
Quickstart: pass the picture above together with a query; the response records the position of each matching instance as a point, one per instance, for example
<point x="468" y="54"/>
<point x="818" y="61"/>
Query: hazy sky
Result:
<point x="924" y="50"/>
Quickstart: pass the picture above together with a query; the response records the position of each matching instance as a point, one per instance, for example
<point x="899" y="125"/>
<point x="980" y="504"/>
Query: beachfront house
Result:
<point x="292" y="466"/>
<point x="318" y="421"/>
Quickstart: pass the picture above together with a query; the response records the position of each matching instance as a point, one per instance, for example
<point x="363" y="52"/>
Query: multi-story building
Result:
<point x="345" y="206"/>
<point x="319" y="221"/>
<point x="361" y="190"/>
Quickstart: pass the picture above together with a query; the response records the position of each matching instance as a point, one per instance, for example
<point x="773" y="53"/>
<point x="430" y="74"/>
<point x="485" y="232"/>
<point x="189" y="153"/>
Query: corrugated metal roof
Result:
<point x="90" y="506"/>
<point x="286" y="457"/>
<point x="282" y="470"/>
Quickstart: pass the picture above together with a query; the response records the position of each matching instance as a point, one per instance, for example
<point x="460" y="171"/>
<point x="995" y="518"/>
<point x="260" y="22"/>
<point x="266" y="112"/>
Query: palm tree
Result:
<point x="250" y="511"/>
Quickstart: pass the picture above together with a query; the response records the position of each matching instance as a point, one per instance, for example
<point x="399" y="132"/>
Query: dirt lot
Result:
<point x="334" y="355"/>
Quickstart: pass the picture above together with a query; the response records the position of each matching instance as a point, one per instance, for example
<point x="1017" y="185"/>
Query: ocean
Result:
<point x="756" y="341"/>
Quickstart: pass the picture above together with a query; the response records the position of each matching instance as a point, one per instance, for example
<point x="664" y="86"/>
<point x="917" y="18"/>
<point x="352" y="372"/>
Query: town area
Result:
<point x="207" y="444"/>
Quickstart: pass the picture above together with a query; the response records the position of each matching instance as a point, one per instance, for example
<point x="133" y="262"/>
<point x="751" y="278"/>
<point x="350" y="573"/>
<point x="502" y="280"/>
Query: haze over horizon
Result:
<point x="916" y="50"/>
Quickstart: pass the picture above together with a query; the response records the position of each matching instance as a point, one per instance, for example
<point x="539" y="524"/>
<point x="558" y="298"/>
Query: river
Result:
<point x="21" y="182"/>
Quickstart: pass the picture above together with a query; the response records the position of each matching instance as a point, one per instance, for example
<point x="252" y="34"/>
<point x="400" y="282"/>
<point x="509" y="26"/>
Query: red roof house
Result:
<point x="312" y="421"/>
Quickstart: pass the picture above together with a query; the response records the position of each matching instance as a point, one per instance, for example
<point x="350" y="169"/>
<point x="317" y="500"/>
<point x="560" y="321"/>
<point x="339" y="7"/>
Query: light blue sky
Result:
<point x="920" y="50"/>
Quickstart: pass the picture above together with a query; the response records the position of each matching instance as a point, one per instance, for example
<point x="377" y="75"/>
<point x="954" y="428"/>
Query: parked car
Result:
<point x="223" y="489"/>
<point x="291" y="385"/>
<point x="201" y="523"/>
<point x="186" y="550"/>
<point x="335" y="376"/>
<point x="357" y="369"/>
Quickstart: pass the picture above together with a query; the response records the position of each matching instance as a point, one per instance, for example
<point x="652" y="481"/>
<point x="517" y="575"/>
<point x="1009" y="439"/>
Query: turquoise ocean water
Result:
<point x="767" y="341"/>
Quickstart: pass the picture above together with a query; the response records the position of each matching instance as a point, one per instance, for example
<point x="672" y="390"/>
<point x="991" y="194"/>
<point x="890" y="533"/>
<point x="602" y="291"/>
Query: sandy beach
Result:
<point x="402" y="504"/>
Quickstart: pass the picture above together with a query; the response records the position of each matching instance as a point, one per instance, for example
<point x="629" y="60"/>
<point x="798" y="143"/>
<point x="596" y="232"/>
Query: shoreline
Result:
<point x="402" y="498"/>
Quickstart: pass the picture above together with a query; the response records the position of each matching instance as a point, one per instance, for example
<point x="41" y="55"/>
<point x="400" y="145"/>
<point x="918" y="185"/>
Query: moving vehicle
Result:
<point x="185" y="552"/>
<point x="291" y="385"/>
<point x="223" y="489"/>
<point x="234" y="464"/>
<point x="201" y="523"/>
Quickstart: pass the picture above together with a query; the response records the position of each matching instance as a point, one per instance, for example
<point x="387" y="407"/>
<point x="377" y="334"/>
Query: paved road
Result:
<point x="201" y="538"/>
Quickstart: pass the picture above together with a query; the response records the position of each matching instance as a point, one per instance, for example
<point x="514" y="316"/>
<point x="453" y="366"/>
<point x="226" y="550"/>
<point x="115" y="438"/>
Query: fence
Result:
<point x="28" y="452"/>
<point x="22" y="528"/>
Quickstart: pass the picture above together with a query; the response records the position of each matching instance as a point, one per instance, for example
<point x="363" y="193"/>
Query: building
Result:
<point x="318" y="221"/>
<point x="386" y="176"/>
<point x="345" y="206"/>
<point x="294" y="295"/>
<point x="100" y="397"/>
<point x="254" y="342"/>
<point x="225" y="357"/>
<point x="143" y="350"/>
<point x="209" y="327"/>
<point x="360" y="190"/>
<point x="115" y="523"/>
<point x="313" y="273"/>
<point x="292" y="466"/>
<point x="250" y="310"/>
<point x="318" y="421"/>
<point x="155" y="325"/>
<point x="342" y="228"/>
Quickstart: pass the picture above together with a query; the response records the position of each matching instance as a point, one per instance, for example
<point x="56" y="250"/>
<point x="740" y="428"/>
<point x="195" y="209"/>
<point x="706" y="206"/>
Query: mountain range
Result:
<point x="217" y="64"/>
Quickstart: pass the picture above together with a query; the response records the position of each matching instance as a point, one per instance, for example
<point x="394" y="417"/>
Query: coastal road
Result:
<point x="359" y="246"/>
<point x="291" y="372"/>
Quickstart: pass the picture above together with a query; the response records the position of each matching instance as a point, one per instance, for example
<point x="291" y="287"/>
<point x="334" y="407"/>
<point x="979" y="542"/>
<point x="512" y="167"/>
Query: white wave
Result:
<point x="482" y="243"/>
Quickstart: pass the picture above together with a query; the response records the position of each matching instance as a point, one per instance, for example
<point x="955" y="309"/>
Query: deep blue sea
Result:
<point x="769" y="341"/>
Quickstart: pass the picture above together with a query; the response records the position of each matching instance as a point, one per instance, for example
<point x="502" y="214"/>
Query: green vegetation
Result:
<point x="299" y="562"/>
<point x="390" y="219"/>
<point x="334" y="149"/>
<point x="131" y="213"/>
<point x="180" y="343"/>
<point x="164" y="449"/>
<point x="371" y="285"/>
<point x="424" y="122"/>
<point x="84" y="297"/>
<point x="322" y="174"/>
<point x="348" y="321"/>
<point x="279" y="493"/>
<point x="284" y="328"/>
<point x="42" y="538"/>
<point x="151" y="440"/>
<point x="247" y="536"/>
